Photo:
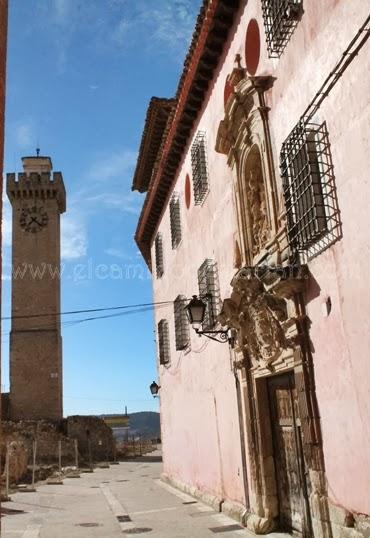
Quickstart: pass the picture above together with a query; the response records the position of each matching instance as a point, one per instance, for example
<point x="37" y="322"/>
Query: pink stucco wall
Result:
<point x="340" y="340"/>
<point x="200" y="430"/>
<point x="198" y="399"/>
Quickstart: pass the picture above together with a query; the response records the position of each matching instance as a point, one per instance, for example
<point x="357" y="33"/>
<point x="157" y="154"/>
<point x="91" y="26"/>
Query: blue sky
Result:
<point x="80" y="76"/>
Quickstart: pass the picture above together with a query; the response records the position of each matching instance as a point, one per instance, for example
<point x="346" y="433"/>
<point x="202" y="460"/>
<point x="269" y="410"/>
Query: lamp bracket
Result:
<point x="217" y="336"/>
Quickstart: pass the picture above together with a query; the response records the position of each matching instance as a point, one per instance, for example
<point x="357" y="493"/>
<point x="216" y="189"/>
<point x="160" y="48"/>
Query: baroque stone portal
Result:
<point x="258" y="317"/>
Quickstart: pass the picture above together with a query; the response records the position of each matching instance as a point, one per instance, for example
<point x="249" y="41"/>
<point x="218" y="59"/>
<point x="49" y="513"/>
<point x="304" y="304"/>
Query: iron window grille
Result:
<point x="181" y="323"/>
<point x="199" y="167"/>
<point x="313" y="221"/>
<point x="280" y="17"/>
<point x="209" y="291"/>
<point x="175" y="220"/>
<point x="159" y="255"/>
<point x="163" y="342"/>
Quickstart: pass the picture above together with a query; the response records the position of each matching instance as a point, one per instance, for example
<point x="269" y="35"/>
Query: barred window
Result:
<point x="181" y="323"/>
<point x="175" y="220"/>
<point x="163" y="342"/>
<point x="199" y="167"/>
<point x="309" y="192"/>
<point x="209" y="291"/>
<point x="280" y="18"/>
<point x="159" y="255"/>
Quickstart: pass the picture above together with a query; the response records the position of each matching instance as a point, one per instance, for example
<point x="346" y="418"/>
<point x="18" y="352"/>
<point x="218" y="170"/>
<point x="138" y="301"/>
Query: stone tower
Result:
<point x="38" y="198"/>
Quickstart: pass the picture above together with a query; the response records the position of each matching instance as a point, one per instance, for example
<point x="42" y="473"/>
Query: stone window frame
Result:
<point x="182" y="332"/>
<point x="164" y="342"/>
<point x="199" y="165"/>
<point x="175" y="220"/>
<point x="209" y="291"/>
<point x="308" y="181"/>
<point x="158" y="248"/>
<point x="280" y="18"/>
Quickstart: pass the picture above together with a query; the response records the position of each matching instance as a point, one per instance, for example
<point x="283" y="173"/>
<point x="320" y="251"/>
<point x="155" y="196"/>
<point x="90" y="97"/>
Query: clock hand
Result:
<point x="34" y="219"/>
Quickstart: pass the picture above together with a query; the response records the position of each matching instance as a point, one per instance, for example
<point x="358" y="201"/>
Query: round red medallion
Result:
<point x="252" y="47"/>
<point x="187" y="191"/>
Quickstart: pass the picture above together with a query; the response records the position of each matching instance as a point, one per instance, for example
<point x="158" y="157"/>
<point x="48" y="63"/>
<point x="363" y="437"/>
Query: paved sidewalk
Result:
<point x="125" y="500"/>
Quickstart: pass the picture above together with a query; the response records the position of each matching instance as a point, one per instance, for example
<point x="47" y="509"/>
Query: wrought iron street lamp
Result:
<point x="196" y="311"/>
<point x="154" y="389"/>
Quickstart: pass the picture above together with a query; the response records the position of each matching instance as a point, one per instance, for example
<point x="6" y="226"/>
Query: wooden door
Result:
<point x="288" y="455"/>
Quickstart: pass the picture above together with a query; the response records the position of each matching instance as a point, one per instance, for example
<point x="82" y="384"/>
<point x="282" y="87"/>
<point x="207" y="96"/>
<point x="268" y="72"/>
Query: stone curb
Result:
<point x="232" y="509"/>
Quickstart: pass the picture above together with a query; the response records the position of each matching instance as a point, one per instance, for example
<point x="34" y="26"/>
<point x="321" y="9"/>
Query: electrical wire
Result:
<point x="71" y="323"/>
<point x="90" y="310"/>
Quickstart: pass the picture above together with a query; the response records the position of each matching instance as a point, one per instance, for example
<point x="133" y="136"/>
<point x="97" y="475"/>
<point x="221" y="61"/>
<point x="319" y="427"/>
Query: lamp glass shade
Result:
<point x="196" y="310"/>
<point x="154" y="388"/>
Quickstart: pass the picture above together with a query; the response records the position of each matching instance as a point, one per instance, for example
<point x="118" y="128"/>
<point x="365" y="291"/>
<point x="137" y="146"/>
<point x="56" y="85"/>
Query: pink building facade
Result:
<point x="257" y="197"/>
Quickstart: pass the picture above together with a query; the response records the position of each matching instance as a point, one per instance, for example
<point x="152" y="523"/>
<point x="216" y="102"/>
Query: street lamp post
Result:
<point x="154" y="389"/>
<point x="196" y="310"/>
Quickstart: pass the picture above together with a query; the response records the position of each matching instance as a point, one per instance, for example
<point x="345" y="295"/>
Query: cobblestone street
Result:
<point x="126" y="499"/>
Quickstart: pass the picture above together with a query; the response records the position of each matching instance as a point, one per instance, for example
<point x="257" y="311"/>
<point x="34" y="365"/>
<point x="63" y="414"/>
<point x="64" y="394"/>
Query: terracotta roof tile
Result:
<point x="211" y="32"/>
<point x="155" y="124"/>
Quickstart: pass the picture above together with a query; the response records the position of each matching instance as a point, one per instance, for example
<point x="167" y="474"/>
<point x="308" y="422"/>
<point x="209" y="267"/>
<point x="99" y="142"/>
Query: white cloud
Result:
<point x="61" y="8"/>
<point x="113" y="165"/>
<point x="117" y="253"/>
<point x="23" y="135"/>
<point x="121" y="31"/>
<point x="116" y="26"/>
<point x="126" y="203"/>
<point x="161" y="22"/>
<point x="74" y="237"/>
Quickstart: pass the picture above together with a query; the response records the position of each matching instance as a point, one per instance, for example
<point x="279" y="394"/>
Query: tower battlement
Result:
<point x="37" y="186"/>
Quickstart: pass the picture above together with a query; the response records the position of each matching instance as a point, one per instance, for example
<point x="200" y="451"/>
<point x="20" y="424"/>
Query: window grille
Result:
<point x="163" y="342"/>
<point x="209" y="291"/>
<point x="309" y="192"/>
<point x="181" y="323"/>
<point x="175" y="220"/>
<point x="280" y="18"/>
<point x="159" y="255"/>
<point x="199" y="167"/>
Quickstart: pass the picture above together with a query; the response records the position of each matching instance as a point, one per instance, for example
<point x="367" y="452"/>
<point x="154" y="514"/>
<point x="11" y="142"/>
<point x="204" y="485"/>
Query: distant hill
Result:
<point x="145" y="423"/>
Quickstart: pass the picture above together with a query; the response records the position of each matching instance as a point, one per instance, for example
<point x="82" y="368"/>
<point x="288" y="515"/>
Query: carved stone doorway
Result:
<point x="288" y="453"/>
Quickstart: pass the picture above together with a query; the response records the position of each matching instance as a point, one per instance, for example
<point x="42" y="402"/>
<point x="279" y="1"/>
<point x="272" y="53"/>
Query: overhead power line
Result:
<point x="87" y="311"/>
<point x="70" y="323"/>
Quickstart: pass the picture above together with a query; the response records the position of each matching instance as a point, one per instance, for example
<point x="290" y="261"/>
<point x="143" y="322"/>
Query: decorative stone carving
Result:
<point x="258" y="212"/>
<point x="244" y="138"/>
<point x="258" y="317"/>
<point x="240" y="111"/>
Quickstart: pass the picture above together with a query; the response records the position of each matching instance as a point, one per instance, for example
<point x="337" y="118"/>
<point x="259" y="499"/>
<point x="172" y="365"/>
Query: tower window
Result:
<point x="199" y="167"/>
<point x="280" y="18"/>
<point x="163" y="342"/>
<point x="309" y="192"/>
<point x="209" y="291"/>
<point x="181" y="323"/>
<point x="158" y="247"/>
<point x="175" y="220"/>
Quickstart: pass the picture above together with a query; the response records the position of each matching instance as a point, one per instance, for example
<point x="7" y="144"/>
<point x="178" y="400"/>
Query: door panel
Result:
<point x="287" y="457"/>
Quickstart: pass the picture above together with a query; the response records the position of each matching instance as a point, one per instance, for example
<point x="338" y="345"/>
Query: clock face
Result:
<point x="33" y="219"/>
